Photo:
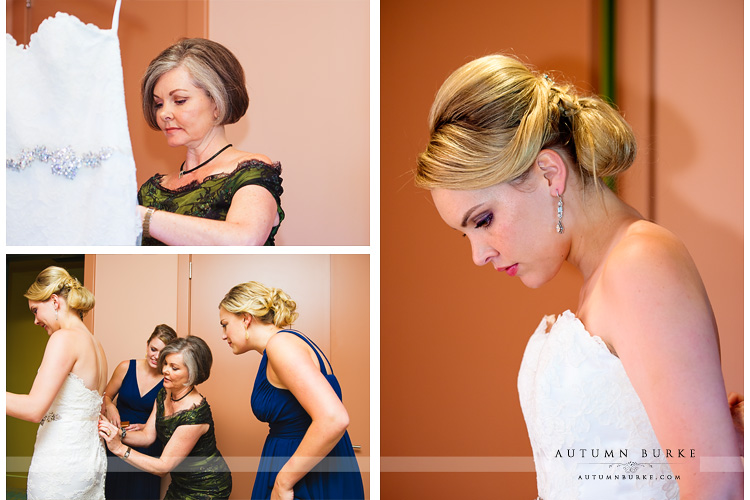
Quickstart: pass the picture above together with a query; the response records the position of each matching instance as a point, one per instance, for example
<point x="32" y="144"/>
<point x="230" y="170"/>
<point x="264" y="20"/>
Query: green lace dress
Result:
<point x="204" y="474"/>
<point x="211" y="198"/>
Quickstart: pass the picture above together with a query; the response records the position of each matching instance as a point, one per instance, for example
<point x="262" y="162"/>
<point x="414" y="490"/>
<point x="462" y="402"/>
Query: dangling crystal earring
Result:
<point x="247" y="334"/>
<point x="559" y="228"/>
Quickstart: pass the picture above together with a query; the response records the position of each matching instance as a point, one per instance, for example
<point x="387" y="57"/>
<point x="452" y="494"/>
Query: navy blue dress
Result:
<point x="125" y="482"/>
<point x="335" y="477"/>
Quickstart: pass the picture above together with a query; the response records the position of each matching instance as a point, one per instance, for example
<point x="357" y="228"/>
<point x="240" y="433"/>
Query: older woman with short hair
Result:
<point x="135" y="383"/>
<point x="219" y="195"/>
<point x="182" y="421"/>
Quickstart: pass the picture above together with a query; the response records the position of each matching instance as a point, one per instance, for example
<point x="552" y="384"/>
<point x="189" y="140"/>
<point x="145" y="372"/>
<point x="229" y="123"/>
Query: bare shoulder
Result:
<point x="650" y="283"/>
<point x="123" y="366"/>
<point x="65" y="336"/>
<point x="287" y="349"/>
<point x="648" y="250"/>
<point x="284" y="343"/>
<point x="243" y="156"/>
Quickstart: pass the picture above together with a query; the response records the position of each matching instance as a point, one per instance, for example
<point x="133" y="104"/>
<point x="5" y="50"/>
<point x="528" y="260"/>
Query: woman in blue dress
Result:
<point x="308" y="453"/>
<point x="136" y="383"/>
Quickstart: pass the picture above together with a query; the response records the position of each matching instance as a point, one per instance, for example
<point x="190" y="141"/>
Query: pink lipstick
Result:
<point x="511" y="270"/>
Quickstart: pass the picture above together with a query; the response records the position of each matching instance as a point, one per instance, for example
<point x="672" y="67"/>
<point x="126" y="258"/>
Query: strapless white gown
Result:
<point x="587" y="426"/>
<point x="70" y="173"/>
<point x="69" y="460"/>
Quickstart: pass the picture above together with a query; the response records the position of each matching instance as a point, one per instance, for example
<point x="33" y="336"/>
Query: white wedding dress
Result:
<point x="70" y="172"/>
<point x="69" y="460"/>
<point x="587" y="426"/>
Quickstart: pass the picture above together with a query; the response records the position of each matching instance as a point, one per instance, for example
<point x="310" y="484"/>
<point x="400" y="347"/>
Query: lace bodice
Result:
<point x="75" y="401"/>
<point x="587" y="426"/>
<point x="69" y="459"/>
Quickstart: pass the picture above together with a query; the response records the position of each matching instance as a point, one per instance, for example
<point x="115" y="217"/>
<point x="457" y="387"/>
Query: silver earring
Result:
<point x="559" y="228"/>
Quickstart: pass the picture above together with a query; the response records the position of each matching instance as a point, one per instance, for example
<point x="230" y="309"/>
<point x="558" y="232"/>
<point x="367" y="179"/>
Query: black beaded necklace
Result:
<point x="181" y="398"/>
<point x="183" y="172"/>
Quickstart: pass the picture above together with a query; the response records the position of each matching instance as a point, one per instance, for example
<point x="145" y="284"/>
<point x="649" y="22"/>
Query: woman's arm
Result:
<point x="291" y="363"/>
<point x="143" y="437"/>
<point x="662" y="328"/>
<point x="59" y="357"/>
<point x="177" y="449"/>
<point x="249" y="221"/>
<point x="113" y="387"/>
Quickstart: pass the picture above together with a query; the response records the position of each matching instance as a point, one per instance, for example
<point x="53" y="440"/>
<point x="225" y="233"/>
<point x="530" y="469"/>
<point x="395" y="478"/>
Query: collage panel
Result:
<point x="518" y="360"/>
<point x="257" y="353"/>
<point x="194" y="122"/>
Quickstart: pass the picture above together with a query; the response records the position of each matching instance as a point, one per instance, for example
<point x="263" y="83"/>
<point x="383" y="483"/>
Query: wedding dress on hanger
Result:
<point x="70" y="173"/>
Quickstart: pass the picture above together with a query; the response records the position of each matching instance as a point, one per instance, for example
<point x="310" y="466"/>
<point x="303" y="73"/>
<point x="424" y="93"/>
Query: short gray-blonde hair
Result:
<point x="213" y="68"/>
<point x="195" y="354"/>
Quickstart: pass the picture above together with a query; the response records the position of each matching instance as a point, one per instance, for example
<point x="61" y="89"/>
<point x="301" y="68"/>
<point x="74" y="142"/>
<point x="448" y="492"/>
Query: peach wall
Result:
<point x="307" y="69"/>
<point x="699" y="153"/>
<point x="689" y="175"/>
<point x="136" y="292"/>
<point x="350" y="347"/>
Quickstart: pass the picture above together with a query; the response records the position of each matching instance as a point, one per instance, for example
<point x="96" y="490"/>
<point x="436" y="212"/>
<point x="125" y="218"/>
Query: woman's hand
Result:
<point x="134" y="427"/>
<point x="110" y="411"/>
<point x="111" y="435"/>
<point x="281" y="493"/>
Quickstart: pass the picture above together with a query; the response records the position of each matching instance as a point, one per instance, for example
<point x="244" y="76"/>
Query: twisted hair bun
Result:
<point x="269" y="305"/>
<point x="493" y="115"/>
<point x="57" y="281"/>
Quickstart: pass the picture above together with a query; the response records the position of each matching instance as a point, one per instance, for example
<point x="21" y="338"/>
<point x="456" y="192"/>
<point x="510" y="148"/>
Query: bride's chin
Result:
<point x="533" y="281"/>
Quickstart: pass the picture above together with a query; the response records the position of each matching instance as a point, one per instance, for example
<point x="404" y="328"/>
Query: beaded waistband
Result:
<point x="52" y="416"/>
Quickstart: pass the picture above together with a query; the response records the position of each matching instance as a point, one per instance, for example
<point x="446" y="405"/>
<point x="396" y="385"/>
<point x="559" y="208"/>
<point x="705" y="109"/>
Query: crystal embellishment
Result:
<point x="49" y="417"/>
<point x="64" y="161"/>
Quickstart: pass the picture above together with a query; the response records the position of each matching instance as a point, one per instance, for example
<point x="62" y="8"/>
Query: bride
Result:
<point x="625" y="398"/>
<point x="66" y="397"/>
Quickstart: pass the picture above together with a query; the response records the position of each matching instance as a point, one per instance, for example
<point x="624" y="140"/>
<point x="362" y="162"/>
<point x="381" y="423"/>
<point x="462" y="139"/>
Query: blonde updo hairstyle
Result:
<point x="268" y="305"/>
<point x="493" y="116"/>
<point x="57" y="281"/>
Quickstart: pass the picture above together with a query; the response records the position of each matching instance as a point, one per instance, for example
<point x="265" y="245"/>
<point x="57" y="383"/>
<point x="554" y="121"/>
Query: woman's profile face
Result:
<point x="153" y="349"/>
<point x="184" y="112"/>
<point x="175" y="371"/>
<point x="510" y="228"/>
<point x="44" y="314"/>
<point x="233" y="331"/>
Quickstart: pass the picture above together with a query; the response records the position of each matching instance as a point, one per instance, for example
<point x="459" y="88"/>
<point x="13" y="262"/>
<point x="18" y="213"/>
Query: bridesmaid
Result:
<point x="308" y="453"/>
<point x="136" y="383"/>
